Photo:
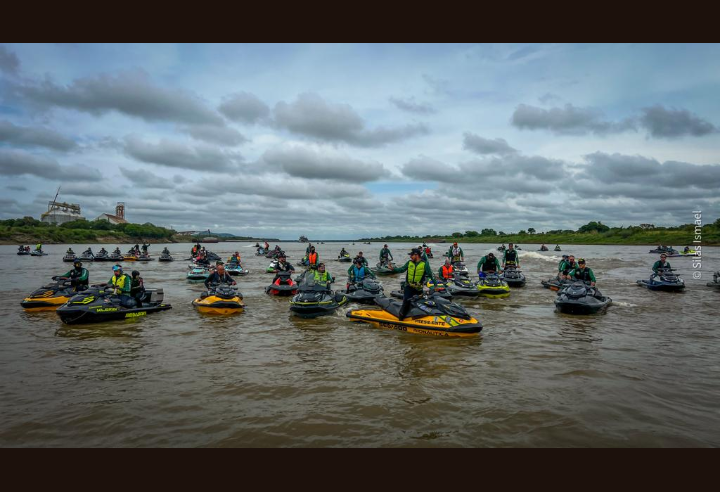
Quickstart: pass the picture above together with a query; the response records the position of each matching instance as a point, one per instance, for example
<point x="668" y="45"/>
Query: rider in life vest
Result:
<point x="583" y="273"/>
<point x="418" y="271"/>
<point x="322" y="277"/>
<point x="455" y="253"/>
<point x="313" y="258"/>
<point x="511" y="257"/>
<point x="446" y="271"/>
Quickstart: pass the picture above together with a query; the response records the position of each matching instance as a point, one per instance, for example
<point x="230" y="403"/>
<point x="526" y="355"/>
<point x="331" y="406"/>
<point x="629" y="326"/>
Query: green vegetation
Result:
<point x="591" y="233"/>
<point x="28" y="230"/>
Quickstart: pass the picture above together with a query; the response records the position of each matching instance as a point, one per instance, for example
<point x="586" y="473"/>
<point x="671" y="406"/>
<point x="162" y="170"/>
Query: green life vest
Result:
<point x="321" y="278"/>
<point x="415" y="274"/>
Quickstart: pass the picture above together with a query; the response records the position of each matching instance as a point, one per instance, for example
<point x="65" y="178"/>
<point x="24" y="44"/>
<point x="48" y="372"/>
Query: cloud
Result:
<point x="312" y="116"/>
<point x="9" y="62"/>
<point x="245" y="107"/>
<point x="177" y="155"/>
<point x="674" y="123"/>
<point x="567" y="120"/>
<point x="28" y="136"/>
<point x="480" y="145"/>
<point x="131" y="93"/>
<point x="411" y="106"/>
<point x="142" y="178"/>
<point x="323" y="163"/>
<point x="91" y="189"/>
<point x="425" y="168"/>
<point x="18" y="163"/>
<point x="16" y="188"/>
<point x="216" y="134"/>
<point x="549" y="97"/>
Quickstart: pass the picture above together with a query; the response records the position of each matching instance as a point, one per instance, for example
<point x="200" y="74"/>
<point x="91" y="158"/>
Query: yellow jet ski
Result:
<point x="49" y="297"/>
<point x="221" y="299"/>
<point x="432" y="315"/>
<point x="493" y="286"/>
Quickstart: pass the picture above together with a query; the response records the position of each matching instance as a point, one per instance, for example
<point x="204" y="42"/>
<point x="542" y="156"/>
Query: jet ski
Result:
<point x="384" y="269"/>
<point x="664" y="280"/>
<point x="459" y="266"/>
<point x="513" y="277"/>
<point x="555" y="284"/>
<point x="166" y="257"/>
<point x="220" y="299"/>
<point x="664" y="249"/>
<point x="313" y="300"/>
<point x="22" y="251"/>
<point x="501" y="248"/>
<point x="581" y="298"/>
<point x="437" y="289"/>
<point x="234" y="268"/>
<point x="69" y="257"/>
<point x="212" y="256"/>
<point x="283" y="286"/>
<point x="144" y="257"/>
<point x="461" y="285"/>
<point x="198" y="273"/>
<point x="427" y="316"/>
<point x="260" y="252"/>
<point x="102" y="256"/>
<point x="49" y="297"/>
<point x="38" y="252"/>
<point x="364" y="292"/>
<point x="116" y="255"/>
<point x="493" y="286"/>
<point x="557" y="248"/>
<point x="344" y="258"/>
<point x="716" y="281"/>
<point x="130" y="255"/>
<point x="544" y="248"/>
<point x="87" y="255"/>
<point x="98" y="304"/>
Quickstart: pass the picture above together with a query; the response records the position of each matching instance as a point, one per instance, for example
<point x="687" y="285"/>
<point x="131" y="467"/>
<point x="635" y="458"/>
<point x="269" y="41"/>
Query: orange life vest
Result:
<point x="447" y="271"/>
<point x="312" y="258"/>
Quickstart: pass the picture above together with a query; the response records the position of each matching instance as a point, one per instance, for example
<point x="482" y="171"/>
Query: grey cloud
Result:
<point x="312" y="116"/>
<point x="9" y="61"/>
<point x="245" y="107"/>
<point x="222" y="135"/>
<point x="18" y="163"/>
<point x="145" y="179"/>
<point x="177" y="155"/>
<point x="16" y="188"/>
<point x="303" y="162"/>
<point x="549" y="97"/>
<point x="515" y="166"/>
<point x="674" y="123"/>
<point x="425" y="168"/>
<point x="131" y="93"/>
<point x="91" y="190"/>
<point x="41" y="137"/>
<point x="568" y="120"/>
<point x="480" y="145"/>
<point x="411" y="106"/>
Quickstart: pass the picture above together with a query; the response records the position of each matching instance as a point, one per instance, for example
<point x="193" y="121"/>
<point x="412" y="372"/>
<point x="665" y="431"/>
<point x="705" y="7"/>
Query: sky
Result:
<point x="350" y="141"/>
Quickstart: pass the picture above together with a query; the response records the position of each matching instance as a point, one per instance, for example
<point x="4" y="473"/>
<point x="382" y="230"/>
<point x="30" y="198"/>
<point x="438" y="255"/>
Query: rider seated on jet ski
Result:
<point x="117" y="251"/>
<point x="581" y="272"/>
<point x="344" y="253"/>
<point x="446" y="272"/>
<point x="202" y="260"/>
<point x="235" y="258"/>
<point x="165" y="251"/>
<point x="687" y="249"/>
<point x="488" y="264"/>
<point x="455" y="253"/>
<point x="566" y="266"/>
<point x="102" y="250"/>
<point x="361" y="258"/>
<point x="137" y="287"/>
<point x="322" y="277"/>
<point x="418" y="271"/>
<point x="38" y="247"/>
<point x="219" y="276"/>
<point x="660" y="265"/>
<point x="282" y="266"/>
<point x="88" y="251"/>
<point x="511" y="257"/>
<point x="358" y="271"/>
<point x="78" y="276"/>
<point x="68" y="252"/>
<point x="121" y="285"/>
<point x="385" y="255"/>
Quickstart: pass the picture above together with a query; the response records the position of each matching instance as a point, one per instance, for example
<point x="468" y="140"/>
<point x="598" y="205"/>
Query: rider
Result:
<point x="361" y="258"/>
<point x="313" y="258"/>
<point x="581" y="272"/>
<point x="121" y="285"/>
<point x="357" y="272"/>
<point x="219" y="276"/>
<point x="137" y="287"/>
<point x="662" y="264"/>
<point x="102" y="251"/>
<point x="78" y="276"/>
<point x="165" y="251"/>
<point x="417" y="272"/>
<point x="446" y="271"/>
<point x="687" y="249"/>
<point x="566" y="266"/>
<point x="68" y="252"/>
<point x="488" y="264"/>
<point x="511" y="257"/>
<point x="282" y="266"/>
<point x="343" y="253"/>
<point x="235" y="258"/>
<point x="38" y="247"/>
<point x="385" y="255"/>
<point x="455" y="253"/>
<point x="322" y="277"/>
<point x="202" y="260"/>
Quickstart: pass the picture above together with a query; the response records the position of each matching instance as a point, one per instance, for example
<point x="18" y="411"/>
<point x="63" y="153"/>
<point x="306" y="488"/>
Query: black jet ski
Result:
<point x="220" y="299"/>
<point x="557" y="248"/>
<point x="383" y="269"/>
<point x="315" y="300"/>
<point x="664" y="280"/>
<point x="87" y="255"/>
<point x="344" y="258"/>
<point x="668" y="250"/>
<point x="49" y="297"/>
<point x="461" y="285"/>
<point x="514" y="277"/>
<point x="555" y="284"/>
<point x="459" y="266"/>
<point x="501" y="248"/>
<point x="581" y="298"/>
<point x="716" y="281"/>
<point x="144" y="257"/>
<point x="284" y="285"/>
<point x="22" y="251"/>
<point x="116" y="256"/>
<point x="210" y="256"/>
<point x="166" y="257"/>
<point x="543" y="248"/>
<point x="102" y="256"/>
<point x="38" y="252"/>
<point x="98" y="304"/>
<point x="437" y="289"/>
<point x="364" y="292"/>
<point x="69" y="257"/>
<point x="427" y="316"/>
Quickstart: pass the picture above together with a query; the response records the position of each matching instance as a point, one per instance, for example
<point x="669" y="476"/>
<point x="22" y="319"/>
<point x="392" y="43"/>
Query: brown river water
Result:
<point x="646" y="373"/>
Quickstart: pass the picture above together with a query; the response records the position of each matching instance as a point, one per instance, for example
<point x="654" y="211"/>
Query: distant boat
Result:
<point x="209" y="239"/>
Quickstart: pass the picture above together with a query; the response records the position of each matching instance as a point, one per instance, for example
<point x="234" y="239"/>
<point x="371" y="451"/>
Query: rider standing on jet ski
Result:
<point x="361" y="258"/>
<point x="79" y="276"/>
<point x="455" y="253"/>
<point x="313" y="258"/>
<point x="488" y="264"/>
<point x="417" y="272"/>
<point x="121" y="284"/>
<point x="219" y="276"/>
<point x="385" y="255"/>
<point x="358" y="271"/>
<point x="581" y="272"/>
<point x="511" y="257"/>
<point x="137" y="287"/>
<point x="662" y="264"/>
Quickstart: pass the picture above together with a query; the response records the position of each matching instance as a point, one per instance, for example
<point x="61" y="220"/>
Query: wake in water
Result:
<point x="538" y="256"/>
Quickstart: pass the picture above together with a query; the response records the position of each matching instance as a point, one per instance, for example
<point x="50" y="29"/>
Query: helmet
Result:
<point x="77" y="263"/>
<point x="117" y="268"/>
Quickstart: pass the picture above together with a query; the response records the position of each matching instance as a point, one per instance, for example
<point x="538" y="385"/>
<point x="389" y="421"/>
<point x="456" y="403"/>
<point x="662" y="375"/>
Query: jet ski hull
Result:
<point x="44" y="304"/>
<point x="582" y="307"/>
<point x="92" y="307"/>
<point x="438" y="326"/>
<point x="166" y="258"/>
<point x="217" y="305"/>
<point x="70" y="258"/>
<point x="315" y="309"/>
<point x="662" y="286"/>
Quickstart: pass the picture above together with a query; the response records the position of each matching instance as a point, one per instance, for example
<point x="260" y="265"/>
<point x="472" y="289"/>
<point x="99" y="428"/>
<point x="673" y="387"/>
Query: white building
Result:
<point x="118" y="218"/>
